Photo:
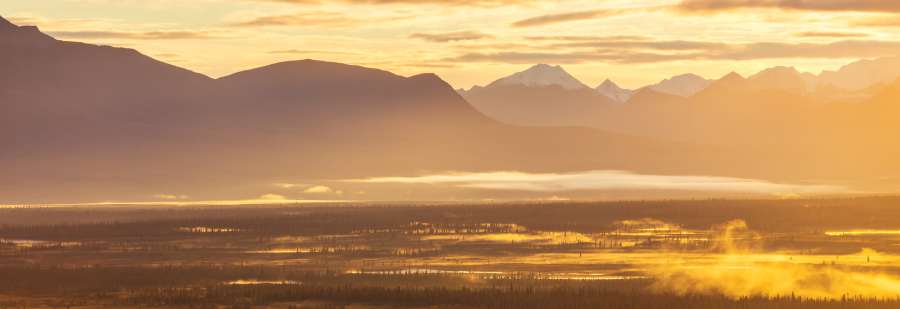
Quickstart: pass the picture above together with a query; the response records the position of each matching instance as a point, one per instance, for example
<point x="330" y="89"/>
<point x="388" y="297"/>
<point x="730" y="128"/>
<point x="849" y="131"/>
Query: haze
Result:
<point x="251" y="154"/>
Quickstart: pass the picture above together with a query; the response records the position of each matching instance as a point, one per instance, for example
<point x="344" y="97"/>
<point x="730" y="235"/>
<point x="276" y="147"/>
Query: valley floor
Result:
<point x="816" y="253"/>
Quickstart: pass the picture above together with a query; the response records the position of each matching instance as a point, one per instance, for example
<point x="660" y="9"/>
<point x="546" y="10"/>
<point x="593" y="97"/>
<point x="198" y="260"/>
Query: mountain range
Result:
<point x="781" y="115"/>
<point x="83" y="122"/>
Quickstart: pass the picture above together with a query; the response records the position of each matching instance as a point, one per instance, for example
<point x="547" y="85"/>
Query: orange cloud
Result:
<point x="301" y="19"/>
<point x="451" y="36"/>
<point x="488" y="3"/>
<point x="810" y="5"/>
<point x="601" y="180"/>
<point x="880" y="21"/>
<point x="636" y="52"/>
<point x="829" y="34"/>
<point x="149" y="35"/>
<point x="544" y="20"/>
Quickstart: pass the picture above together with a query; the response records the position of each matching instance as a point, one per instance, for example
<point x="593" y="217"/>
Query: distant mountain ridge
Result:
<point x="612" y="91"/>
<point x="684" y="85"/>
<point x="782" y="116"/>
<point x="542" y="75"/>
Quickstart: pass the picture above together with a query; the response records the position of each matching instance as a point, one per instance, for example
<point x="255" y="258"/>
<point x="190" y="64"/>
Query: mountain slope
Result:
<point x="542" y="95"/>
<point x="684" y="85"/>
<point x="612" y="91"/>
<point x="862" y="74"/>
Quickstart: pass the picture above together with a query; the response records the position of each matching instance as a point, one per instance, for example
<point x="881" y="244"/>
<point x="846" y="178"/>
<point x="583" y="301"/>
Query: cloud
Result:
<point x="625" y="41"/>
<point x="892" y="6"/>
<point x="588" y="38"/>
<point x="602" y="180"/>
<point x="285" y="185"/>
<point x="485" y="3"/>
<point x="310" y="51"/>
<point x="302" y="19"/>
<point x="572" y="57"/>
<point x="267" y="199"/>
<point x="839" y="49"/>
<point x="171" y="196"/>
<point x="740" y="267"/>
<point x="451" y="36"/>
<point x="319" y="190"/>
<point x="148" y="35"/>
<point x="880" y="21"/>
<point x="643" y="44"/>
<point x="544" y="20"/>
<point x="272" y="197"/>
<point x="636" y="52"/>
<point x="830" y="34"/>
<point x="32" y="20"/>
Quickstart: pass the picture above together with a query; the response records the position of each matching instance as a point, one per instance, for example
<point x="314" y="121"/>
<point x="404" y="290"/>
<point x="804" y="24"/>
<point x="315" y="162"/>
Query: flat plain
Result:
<point x="812" y="253"/>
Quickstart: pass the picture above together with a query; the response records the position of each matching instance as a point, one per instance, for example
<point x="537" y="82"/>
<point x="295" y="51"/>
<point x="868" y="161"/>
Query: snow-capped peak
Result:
<point x="543" y="75"/>
<point x="609" y="89"/>
<point x="684" y="85"/>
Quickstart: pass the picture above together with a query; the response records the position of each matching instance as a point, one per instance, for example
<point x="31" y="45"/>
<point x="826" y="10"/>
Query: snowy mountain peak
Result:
<point x="611" y="90"/>
<point x="543" y="75"/>
<point x="684" y="85"/>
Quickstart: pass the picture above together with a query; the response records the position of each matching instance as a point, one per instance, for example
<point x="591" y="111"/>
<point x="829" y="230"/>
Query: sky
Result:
<point x="473" y="42"/>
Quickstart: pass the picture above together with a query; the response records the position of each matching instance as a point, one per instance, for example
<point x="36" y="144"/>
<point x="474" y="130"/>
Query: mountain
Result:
<point x="542" y="95"/>
<point x="612" y="91"/>
<point x="60" y="92"/>
<point x="783" y="78"/>
<point x="542" y="75"/>
<point x="780" y="120"/>
<point x="82" y="122"/>
<point x="540" y="106"/>
<point x="684" y="85"/>
<point x="862" y="74"/>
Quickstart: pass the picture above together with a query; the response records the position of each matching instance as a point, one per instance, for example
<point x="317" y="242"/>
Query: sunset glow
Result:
<point x="471" y="154"/>
<point x="473" y="42"/>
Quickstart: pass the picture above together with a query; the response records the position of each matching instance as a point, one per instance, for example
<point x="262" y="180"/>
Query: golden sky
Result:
<point x="469" y="42"/>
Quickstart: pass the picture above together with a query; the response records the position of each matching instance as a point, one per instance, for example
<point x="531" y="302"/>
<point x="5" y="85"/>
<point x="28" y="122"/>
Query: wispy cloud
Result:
<point x="148" y="35"/>
<point x="301" y="19"/>
<point x="662" y="51"/>
<point x="310" y="52"/>
<point x="878" y="21"/>
<point x="603" y="180"/>
<point x="577" y="38"/>
<point x="549" y="19"/>
<point x="319" y="189"/>
<point x="485" y="3"/>
<point x="811" y="5"/>
<point x="830" y="34"/>
<point x="272" y="197"/>
<point x="171" y="196"/>
<point x="647" y="44"/>
<point x="451" y="36"/>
